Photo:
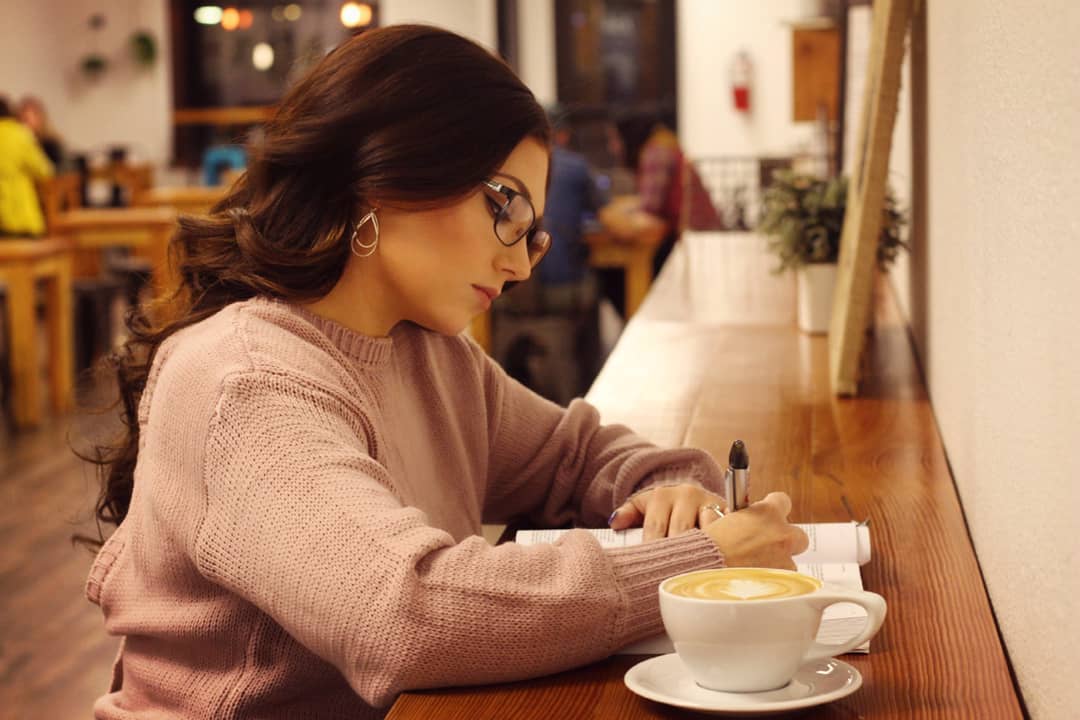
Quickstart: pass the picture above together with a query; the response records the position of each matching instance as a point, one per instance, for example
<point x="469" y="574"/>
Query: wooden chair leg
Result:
<point x="638" y="280"/>
<point x="61" y="337"/>
<point x="26" y="385"/>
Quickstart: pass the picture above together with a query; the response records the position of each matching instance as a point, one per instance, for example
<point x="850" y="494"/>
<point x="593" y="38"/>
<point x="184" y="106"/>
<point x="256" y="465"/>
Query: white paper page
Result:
<point x="836" y="543"/>
<point x="829" y="542"/>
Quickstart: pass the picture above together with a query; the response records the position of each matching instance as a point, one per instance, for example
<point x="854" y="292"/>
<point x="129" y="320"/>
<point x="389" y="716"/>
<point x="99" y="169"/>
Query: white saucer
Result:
<point x="666" y="680"/>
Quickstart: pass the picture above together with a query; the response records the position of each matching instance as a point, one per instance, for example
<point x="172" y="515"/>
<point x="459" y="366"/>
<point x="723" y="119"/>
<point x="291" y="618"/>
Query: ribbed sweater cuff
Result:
<point x="639" y="570"/>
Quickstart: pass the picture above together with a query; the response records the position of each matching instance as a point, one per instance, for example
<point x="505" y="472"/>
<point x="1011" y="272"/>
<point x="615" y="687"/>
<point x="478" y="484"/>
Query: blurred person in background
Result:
<point x="22" y="163"/>
<point x="32" y="114"/>
<point x="573" y="199"/>
<point x="653" y="149"/>
<point x="663" y="170"/>
<point x="621" y="180"/>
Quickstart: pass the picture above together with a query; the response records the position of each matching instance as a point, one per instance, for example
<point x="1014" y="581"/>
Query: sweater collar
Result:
<point x="359" y="347"/>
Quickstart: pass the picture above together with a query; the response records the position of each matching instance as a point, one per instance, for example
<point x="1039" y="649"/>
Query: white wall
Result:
<point x="41" y="45"/>
<point x="709" y="33"/>
<point x="993" y="300"/>
<point x="475" y="19"/>
<point x="536" y="52"/>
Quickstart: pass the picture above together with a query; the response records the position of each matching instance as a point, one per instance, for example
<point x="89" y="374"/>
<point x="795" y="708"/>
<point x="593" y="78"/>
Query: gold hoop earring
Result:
<point x="366" y="249"/>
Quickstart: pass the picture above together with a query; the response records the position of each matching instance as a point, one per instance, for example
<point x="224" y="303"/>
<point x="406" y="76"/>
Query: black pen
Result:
<point x="737" y="477"/>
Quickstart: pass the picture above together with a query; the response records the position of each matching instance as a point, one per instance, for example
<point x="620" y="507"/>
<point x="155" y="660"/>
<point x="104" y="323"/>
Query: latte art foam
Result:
<point x="742" y="584"/>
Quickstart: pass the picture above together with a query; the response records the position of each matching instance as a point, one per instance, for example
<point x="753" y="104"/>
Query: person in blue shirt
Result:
<point x="554" y="345"/>
<point x="572" y="199"/>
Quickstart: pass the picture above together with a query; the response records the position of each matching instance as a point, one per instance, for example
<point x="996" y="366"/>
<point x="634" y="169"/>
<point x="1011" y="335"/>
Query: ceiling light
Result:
<point x="356" y="14"/>
<point x="230" y="19"/>
<point x="208" y="15"/>
<point x="262" y="56"/>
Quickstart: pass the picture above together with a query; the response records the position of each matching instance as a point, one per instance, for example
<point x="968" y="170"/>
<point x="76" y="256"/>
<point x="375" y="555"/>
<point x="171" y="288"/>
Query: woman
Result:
<point x="312" y="445"/>
<point x="22" y="163"/>
<point x="32" y="114"/>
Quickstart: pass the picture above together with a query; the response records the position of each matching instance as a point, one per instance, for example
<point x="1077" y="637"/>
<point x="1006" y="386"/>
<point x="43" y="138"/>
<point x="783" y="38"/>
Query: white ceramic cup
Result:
<point x="752" y="645"/>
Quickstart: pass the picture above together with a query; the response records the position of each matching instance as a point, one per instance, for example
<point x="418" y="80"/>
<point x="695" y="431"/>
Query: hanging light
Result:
<point x="230" y="19"/>
<point x="262" y="56"/>
<point x="208" y="15"/>
<point x="292" y="12"/>
<point x="246" y="19"/>
<point x="355" y="14"/>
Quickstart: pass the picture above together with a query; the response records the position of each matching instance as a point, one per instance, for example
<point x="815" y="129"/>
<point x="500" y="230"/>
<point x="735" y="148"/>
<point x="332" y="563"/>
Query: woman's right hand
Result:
<point x="759" y="535"/>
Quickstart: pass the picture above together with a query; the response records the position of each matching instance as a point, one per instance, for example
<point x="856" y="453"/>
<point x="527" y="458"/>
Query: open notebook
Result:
<point x="836" y="551"/>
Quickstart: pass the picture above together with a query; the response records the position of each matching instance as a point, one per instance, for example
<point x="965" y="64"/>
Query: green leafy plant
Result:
<point x="143" y="48"/>
<point x="804" y="216"/>
<point x="93" y="65"/>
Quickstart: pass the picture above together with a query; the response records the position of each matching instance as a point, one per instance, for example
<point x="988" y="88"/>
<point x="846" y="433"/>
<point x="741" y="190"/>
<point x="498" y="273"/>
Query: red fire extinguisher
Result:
<point x="742" y="71"/>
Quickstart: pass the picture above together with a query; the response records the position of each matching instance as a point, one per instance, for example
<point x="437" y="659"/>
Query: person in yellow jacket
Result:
<point x="21" y="163"/>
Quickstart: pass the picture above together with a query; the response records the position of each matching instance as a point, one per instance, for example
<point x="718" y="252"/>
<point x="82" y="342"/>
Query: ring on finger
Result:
<point x="715" y="507"/>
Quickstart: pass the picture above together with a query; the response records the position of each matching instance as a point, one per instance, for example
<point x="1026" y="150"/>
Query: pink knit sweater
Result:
<point x="303" y="540"/>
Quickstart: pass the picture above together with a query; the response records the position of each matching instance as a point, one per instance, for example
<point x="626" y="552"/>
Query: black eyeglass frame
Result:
<point x="510" y="193"/>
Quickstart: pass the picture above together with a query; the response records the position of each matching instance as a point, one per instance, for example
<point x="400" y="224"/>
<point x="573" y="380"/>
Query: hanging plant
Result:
<point x="144" y="48"/>
<point x="93" y="65"/>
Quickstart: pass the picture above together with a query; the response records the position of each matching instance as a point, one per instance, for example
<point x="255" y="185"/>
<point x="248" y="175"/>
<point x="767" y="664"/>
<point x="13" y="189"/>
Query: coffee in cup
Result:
<point x="751" y="629"/>
<point x="746" y="584"/>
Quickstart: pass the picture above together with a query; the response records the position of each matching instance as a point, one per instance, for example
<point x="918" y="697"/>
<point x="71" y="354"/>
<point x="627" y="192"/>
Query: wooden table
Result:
<point x="191" y="199"/>
<point x="145" y="230"/>
<point x="23" y="263"/>
<point x="627" y="239"/>
<point x="690" y="370"/>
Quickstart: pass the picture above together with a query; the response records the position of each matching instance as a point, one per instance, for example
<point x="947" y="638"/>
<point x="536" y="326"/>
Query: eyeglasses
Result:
<point x="515" y="218"/>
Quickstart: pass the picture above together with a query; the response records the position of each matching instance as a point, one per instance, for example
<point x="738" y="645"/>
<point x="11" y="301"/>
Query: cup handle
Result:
<point x="874" y="605"/>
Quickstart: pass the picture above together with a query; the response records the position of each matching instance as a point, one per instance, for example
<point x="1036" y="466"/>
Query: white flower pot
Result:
<point x="816" y="283"/>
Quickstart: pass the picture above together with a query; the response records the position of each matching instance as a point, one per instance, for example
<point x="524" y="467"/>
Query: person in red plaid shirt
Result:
<point x="661" y="169"/>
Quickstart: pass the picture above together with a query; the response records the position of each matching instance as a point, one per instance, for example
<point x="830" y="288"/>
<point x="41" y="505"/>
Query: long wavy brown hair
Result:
<point x="406" y="115"/>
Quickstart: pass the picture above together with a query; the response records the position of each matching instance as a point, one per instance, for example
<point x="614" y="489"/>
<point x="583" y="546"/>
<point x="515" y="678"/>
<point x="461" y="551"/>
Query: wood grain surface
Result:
<point x="877" y="456"/>
<point x="55" y="657"/>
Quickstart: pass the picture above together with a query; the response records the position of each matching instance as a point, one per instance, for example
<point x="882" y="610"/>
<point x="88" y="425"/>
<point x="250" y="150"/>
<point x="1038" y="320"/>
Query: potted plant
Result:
<point x="143" y="48"/>
<point x="804" y="216"/>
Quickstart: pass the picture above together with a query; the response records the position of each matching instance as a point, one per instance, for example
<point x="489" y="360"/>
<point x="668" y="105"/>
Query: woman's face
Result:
<point x="441" y="268"/>
<point x="31" y="117"/>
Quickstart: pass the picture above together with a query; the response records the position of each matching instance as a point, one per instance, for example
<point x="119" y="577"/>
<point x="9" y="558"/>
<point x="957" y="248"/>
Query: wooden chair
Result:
<point x="23" y="264"/>
<point x="129" y="179"/>
<point x="92" y="291"/>
<point x="58" y="194"/>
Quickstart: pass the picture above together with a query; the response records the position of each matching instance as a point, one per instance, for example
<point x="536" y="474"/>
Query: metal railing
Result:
<point x="735" y="184"/>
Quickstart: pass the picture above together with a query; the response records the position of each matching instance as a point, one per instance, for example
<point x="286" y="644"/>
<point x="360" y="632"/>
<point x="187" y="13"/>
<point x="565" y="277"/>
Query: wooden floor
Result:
<point x="55" y="657"/>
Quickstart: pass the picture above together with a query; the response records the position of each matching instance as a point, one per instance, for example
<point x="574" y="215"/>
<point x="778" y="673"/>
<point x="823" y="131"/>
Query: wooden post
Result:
<point x="866" y="194"/>
<point x="25" y="380"/>
<point x="60" y="323"/>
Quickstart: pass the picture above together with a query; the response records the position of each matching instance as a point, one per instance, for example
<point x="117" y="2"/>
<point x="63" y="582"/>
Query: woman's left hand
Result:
<point x="667" y="511"/>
